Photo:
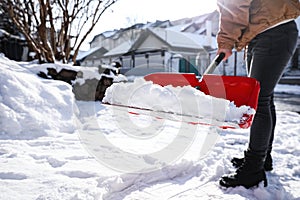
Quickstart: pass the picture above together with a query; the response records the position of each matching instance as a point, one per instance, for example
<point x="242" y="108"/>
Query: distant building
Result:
<point x="12" y="44"/>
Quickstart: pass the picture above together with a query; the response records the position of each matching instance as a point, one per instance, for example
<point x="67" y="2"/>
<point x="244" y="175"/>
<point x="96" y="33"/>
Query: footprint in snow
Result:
<point x="12" y="176"/>
<point x="51" y="161"/>
<point x="77" y="174"/>
<point x="3" y="151"/>
<point x="55" y="163"/>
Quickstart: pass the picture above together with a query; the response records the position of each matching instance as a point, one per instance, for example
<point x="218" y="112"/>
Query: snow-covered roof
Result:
<point x="5" y="33"/>
<point x="177" y="39"/>
<point x="157" y="23"/>
<point x="105" y="34"/>
<point x="108" y="34"/>
<point x="179" y="27"/>
<point x="115" y="33"/>
<point x="82" y="54"/>
<point x="119" y="50"/>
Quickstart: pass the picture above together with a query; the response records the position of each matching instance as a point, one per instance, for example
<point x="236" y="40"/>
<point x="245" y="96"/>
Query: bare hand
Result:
<point x="228" y="53"/>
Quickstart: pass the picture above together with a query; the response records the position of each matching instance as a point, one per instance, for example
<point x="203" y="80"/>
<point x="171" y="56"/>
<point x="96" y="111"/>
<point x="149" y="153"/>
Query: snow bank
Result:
<point x="181" y="100"/>
<point x="32" y="105"/>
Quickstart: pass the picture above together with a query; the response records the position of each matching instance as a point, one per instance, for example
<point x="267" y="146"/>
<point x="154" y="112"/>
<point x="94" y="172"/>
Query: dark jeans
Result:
<point x="267" y="56"/>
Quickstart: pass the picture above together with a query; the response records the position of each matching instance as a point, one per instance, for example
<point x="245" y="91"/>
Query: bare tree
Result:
<point x="55" y="28"/>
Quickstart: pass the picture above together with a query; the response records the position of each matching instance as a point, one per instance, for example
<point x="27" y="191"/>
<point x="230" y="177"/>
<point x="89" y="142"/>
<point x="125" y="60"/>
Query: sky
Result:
<point x="55" y="147"/>
<point x="125" y="13"/>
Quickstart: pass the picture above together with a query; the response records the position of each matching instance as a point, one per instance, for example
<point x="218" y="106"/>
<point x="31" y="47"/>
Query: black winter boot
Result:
<point x="249" y="174"/>
<point x="268" y="165"/>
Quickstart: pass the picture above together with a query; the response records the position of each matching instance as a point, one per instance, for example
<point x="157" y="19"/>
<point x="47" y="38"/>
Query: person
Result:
<point x="266" y="29"/>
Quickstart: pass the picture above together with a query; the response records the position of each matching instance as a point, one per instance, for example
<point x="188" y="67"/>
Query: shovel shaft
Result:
<point x="211" y="68"/>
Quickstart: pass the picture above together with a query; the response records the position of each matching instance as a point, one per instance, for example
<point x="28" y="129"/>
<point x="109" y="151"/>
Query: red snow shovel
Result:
<point x="241" y="90"/>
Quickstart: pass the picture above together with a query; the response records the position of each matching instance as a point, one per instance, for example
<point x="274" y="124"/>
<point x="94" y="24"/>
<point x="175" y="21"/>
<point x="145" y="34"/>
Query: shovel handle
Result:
<point x="211" y="68"/>
<point x="219" y="59"/>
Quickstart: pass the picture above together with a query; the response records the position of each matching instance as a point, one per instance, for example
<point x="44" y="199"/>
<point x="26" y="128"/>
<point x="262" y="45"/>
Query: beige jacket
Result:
<point x="242" y="20"/>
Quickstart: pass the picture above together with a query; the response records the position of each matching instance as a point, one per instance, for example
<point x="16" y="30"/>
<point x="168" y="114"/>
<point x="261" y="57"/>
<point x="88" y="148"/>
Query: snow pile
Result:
<point x="181" y="100"/>
<point x="88" y="73"/>
<point x="84" y="73"/>
<point x="31" y="105"/>
<point x="35" y="68"/>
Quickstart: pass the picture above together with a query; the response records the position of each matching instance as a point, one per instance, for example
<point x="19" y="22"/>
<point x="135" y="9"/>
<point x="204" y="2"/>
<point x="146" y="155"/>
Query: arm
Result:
<point x="234" y="18"/>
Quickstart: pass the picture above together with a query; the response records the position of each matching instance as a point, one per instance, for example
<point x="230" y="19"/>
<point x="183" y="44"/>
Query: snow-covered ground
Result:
<point x="54" y="147"/>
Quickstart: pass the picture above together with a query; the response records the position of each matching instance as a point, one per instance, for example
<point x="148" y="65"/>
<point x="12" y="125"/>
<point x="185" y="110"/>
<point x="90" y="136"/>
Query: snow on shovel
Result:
<point x="242" y="91"/>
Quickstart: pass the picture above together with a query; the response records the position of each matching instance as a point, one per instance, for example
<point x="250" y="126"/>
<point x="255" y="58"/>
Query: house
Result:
<point x="158" y="46"/>
<point x="12" y="44"/>
<point x="161" y="49"/>
<point x="115" y="38"/>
